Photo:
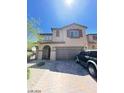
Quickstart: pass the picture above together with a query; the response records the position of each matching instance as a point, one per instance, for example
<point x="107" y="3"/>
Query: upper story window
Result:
<point x="74" y="33"/>
<point x="57" y="33"/>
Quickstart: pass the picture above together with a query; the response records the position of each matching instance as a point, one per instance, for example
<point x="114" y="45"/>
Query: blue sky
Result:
<point x="58" y="13"/>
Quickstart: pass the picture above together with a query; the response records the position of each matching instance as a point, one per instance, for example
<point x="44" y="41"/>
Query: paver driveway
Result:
<point x="61" y="77"/>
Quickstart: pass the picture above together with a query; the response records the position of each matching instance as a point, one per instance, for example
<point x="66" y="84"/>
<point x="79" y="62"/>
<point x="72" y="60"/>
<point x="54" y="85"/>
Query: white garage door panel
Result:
<point x="67" y="53"/>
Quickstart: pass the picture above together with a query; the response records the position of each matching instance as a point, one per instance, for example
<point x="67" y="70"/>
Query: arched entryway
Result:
<point x="46" y="52"/>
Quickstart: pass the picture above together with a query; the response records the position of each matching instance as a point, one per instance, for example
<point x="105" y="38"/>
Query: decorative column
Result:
<point x="53" y="54"/>
<point x="40" y="51"/>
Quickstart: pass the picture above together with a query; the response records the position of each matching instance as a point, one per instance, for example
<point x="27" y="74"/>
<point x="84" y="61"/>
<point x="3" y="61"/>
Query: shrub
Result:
<point x="28" y="73"/>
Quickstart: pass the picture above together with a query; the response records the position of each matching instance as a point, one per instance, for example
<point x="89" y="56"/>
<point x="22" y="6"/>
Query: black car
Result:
<point x="89" y="60"/>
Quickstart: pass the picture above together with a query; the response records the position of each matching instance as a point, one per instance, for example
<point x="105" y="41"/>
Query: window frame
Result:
<point x="74" y="34"/>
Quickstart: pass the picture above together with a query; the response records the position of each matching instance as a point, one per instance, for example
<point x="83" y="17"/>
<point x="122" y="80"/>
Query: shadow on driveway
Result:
<point x="69" y="67"/>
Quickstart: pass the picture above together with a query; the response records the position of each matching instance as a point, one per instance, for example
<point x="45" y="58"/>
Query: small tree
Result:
<point x="32" y="32"/>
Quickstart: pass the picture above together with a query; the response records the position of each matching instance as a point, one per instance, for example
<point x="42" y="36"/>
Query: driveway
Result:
<point x="60" y="77"/>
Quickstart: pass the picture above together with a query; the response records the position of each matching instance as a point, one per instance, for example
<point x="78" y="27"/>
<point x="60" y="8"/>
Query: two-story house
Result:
<point x="63" y="43"/>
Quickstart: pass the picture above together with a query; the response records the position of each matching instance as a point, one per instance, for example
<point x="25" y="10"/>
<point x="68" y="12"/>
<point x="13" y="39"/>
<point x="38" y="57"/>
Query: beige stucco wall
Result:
<point x="69" y="42"/>
<point x="82" y="41"/>
<point x="90" y="38"/>
<point x="40" y="54"/>
<point x="60" y="38"/>
<point x="92" y="45"/>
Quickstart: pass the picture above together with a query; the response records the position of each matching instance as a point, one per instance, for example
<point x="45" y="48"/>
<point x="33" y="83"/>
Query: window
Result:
<point x="57" y="33"/>
<point x="74" y="34"/>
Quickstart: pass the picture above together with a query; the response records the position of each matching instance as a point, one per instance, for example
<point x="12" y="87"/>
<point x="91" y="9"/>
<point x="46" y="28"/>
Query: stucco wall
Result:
<point x="92" y="45"/>
<point x="82" y="41"/>
<point x="60" y="38"/>
<point x="90" y="38"/>
<point x="67" y="41"/>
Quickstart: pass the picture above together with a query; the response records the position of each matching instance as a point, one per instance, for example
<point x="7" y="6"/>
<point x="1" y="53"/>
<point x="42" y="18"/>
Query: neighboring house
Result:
<point x="92" y="41"/>
<point x="63" y="43"/>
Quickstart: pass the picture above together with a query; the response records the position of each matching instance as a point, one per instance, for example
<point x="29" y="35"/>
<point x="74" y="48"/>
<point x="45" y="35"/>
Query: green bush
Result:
<point x="28" y="73"/>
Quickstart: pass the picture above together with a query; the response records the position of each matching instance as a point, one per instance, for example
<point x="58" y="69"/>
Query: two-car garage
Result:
<point x="67" y="53"/>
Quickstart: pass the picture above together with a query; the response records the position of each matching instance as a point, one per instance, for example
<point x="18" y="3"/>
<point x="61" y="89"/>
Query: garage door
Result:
<point x="67" y="53"/>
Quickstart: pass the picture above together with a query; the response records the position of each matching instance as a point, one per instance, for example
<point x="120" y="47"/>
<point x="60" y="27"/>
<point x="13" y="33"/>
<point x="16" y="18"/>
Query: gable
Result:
<point x="73" y="25"/>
